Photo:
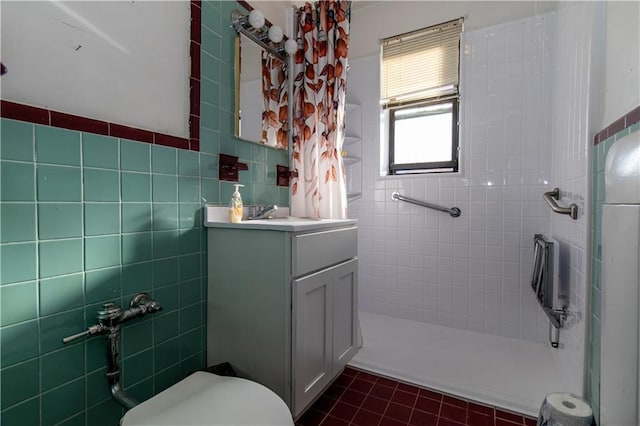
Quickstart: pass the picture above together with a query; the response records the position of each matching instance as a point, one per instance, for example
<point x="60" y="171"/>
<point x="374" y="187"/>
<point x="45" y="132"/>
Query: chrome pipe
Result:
<point x="113" y="368"/>
<point x="453" y="211"/>
<point x="118" y="394"/>
<point x="551" y="196"/>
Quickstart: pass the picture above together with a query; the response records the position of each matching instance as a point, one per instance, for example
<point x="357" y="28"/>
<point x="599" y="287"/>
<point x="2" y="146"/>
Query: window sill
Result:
<point x="457" y="174"/>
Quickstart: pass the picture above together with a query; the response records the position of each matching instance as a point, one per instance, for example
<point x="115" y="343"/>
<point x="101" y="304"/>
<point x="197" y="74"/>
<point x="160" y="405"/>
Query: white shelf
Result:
<point x="353" y="144"/>
<point x="350" y="140"/>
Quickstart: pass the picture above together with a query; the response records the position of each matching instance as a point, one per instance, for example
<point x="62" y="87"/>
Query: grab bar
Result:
<point x="453" y="211"/>
<point x="550" y="198"/>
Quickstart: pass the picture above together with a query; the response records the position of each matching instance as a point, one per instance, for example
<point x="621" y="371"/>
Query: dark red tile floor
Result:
<point x="361" y="398"/>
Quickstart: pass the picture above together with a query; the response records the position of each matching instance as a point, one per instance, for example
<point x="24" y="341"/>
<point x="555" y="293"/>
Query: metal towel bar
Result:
<point x="551" y="196"/>
<point x="453" y="211"/>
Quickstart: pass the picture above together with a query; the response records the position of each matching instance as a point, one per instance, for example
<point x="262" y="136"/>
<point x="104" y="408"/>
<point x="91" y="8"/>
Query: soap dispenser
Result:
<point x="235" y="206"/>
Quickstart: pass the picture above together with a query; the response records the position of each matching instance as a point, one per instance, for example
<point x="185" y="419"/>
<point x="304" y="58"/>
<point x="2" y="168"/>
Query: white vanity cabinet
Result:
<point x="324" y="337"/>
<point x="282" y="306"/>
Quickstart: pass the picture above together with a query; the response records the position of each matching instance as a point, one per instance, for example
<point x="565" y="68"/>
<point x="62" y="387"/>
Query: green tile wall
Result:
<point x="598" y="155"/>
<point x="87" y="219"/>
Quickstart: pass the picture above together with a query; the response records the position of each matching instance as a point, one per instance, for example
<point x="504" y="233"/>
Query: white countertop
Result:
<point x="218" y="217"/>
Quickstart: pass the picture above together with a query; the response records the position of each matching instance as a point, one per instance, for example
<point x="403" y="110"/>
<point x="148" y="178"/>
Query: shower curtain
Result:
<point x="318" y="188"/>
<point x="274" y="92"/>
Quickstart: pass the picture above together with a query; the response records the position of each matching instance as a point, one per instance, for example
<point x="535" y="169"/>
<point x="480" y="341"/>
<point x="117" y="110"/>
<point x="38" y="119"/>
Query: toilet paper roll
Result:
<point x="565" y="409"/>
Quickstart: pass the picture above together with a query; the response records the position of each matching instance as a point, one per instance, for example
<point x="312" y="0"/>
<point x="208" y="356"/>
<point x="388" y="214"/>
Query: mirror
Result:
<point x="257" y="120"/>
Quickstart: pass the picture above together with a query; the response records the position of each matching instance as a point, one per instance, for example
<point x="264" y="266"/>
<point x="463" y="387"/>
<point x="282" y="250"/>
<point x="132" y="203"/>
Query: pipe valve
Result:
<point x="111" y="316"/>
<point x="109" y="319"/>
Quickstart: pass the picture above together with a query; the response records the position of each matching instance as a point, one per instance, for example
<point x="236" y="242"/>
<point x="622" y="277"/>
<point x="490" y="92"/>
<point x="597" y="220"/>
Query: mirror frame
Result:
<point x="237" y="70"/>
<point x="237" y="80"/>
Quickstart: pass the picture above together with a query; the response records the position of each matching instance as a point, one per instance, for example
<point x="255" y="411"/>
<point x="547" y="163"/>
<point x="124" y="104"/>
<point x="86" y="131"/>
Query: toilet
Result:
<point x="208" y="399"/>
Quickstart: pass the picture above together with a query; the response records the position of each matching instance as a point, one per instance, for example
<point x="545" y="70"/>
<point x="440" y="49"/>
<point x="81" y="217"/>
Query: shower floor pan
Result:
<point x="508" y="373"/>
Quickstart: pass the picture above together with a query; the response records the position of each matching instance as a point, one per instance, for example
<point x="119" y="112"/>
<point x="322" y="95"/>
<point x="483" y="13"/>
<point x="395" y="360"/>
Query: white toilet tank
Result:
<point x="207" y="399"/>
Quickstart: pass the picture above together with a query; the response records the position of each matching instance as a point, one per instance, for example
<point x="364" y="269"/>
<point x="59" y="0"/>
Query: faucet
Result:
<point x="262" y="212"/>
<point x="109" y="319"/>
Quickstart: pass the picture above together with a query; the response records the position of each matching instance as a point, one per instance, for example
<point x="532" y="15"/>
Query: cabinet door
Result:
<point x="312" y="354"/>
<point x="345" y="324"/>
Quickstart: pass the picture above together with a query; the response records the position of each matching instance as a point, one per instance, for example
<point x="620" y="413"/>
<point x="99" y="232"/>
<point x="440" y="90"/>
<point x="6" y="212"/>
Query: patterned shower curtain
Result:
<point x="319" y="79"/>
<point x="274" y="92"/>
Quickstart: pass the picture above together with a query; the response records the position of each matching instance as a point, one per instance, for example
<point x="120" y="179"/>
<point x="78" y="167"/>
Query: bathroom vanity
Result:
<point x="282" y="299"/>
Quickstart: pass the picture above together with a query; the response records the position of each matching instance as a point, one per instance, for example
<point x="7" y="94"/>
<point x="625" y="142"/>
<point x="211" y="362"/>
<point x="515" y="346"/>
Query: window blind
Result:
<point x="422" y="64"/>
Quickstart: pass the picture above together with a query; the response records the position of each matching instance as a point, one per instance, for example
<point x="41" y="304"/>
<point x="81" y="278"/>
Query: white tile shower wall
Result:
<point x="571" y="135"/>
<point x="470" y="272"/>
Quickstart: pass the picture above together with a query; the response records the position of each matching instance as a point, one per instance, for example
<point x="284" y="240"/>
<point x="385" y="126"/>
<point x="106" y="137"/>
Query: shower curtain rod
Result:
<point x="453" y="211"/>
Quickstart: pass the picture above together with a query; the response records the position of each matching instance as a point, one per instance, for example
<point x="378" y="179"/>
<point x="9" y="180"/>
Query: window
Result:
<point x="419" y="98"/>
